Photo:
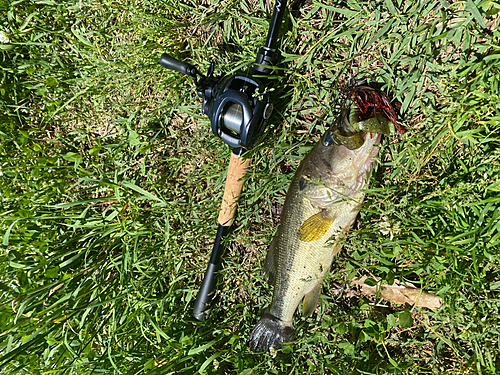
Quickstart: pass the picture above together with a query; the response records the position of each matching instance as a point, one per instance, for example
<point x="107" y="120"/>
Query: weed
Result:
<point x="111" y="181"/>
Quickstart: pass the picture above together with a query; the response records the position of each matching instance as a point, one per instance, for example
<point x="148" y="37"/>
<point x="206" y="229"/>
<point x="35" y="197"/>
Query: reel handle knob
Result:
<point x="168" y="62"/>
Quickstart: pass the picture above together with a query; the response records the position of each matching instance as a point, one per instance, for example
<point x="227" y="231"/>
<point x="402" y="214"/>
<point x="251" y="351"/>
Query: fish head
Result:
<point x="344" y="162"/>
<point x="350" y="142"/>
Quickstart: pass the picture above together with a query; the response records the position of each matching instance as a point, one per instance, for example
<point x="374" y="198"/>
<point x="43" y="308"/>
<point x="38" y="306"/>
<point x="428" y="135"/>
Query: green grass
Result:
<point x="111" y="181"/>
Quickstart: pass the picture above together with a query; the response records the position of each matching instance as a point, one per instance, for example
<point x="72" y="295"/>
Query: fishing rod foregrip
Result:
<point x="268" y="56"/>
<point x="232" y="191"/>
<point x="275" y="24"/>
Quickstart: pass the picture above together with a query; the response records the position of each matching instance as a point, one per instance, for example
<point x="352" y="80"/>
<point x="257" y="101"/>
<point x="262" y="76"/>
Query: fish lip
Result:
<point x="342" y="125"/>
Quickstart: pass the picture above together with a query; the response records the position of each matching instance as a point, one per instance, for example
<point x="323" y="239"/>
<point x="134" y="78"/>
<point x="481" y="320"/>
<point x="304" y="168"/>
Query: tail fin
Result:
<point x="269" y="332"/>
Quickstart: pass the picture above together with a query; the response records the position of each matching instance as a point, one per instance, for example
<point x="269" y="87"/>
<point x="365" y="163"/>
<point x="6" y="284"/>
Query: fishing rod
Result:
<point x="238" y="107"/>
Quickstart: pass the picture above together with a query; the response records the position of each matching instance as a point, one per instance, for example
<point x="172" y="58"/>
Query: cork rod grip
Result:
<point x="232" y="190"/>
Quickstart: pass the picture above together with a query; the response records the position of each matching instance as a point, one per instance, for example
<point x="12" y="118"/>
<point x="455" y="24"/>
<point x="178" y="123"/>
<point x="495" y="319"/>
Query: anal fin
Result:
<point x="310" y="301"/>
<point x="314" y="228"/>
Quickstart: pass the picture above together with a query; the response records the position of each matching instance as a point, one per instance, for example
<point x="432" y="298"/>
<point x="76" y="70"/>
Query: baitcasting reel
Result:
<point x="238" y="106"/>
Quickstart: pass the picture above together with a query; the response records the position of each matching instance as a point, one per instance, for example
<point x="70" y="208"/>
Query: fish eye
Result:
<point x="328" y="141"/>
<point x="302" y="184"/>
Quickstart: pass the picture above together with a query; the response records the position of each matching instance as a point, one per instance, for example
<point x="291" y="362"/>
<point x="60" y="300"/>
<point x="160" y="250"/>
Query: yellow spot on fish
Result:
<point x="314" y="228"/>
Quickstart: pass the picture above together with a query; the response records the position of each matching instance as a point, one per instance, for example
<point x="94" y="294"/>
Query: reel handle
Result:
<point x="168" y="62"/>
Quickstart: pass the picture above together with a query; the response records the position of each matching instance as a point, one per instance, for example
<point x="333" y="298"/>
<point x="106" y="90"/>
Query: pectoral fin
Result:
<point x="314" y="228"/>
<point x="310" y="301"/>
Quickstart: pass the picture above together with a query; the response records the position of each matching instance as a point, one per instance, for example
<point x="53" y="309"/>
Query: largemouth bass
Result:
<point x="322" y="203"/>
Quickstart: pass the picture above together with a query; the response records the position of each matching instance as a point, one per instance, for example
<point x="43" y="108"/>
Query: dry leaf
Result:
<point x="398" y="293"/>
